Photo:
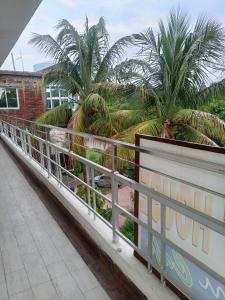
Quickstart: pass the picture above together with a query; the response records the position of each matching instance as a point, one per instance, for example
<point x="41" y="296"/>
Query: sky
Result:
<point x="122" y="17"/>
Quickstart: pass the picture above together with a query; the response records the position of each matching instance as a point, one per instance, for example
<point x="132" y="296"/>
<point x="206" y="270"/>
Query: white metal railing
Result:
<point x="33" y="139"/>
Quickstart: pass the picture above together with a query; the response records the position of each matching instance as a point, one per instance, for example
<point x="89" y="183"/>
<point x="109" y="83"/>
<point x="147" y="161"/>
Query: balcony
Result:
<point x="57" y="244"/>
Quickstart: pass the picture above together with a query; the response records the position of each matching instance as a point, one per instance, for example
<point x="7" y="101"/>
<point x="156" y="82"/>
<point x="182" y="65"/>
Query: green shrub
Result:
<point x="82" y="193"/>
<point x="128" y="229"/>
<point x="77" y="168"/>
<point x="107" y="214"/>
<point x="94" y="155"/>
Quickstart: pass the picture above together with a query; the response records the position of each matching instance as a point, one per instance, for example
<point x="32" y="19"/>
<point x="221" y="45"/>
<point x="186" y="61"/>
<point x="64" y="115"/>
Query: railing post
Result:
<point x="25" y="141"/>
<point x="49" y="167"/>
<point x="88" y="190"/>
<point x="14" y="134"/>
<point x="114" y="157"/>
<point x="59" y="170"/>
<point x="115" y="217"/>
<point x="94" y="194"/>
<point x="29" y="145"/>
<point x="41" y="153"/>
<point x="163" y="245"/>
<point x="21" y="139"/>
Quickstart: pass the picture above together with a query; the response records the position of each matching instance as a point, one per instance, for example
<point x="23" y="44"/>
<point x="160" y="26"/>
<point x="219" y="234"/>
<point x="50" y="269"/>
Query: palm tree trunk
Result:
<point x="166" y="130"/>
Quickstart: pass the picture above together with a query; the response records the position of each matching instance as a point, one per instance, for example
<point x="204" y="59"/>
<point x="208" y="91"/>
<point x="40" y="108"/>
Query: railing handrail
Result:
<point x="200" y="163"/>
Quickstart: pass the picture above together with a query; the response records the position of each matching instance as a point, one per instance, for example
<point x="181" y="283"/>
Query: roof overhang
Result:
<point x="14" y="16"/>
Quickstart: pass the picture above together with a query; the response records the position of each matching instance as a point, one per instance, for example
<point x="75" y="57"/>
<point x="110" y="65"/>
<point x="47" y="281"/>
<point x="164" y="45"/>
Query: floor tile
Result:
<point x="57" y="269"/>
<point x="33" y="260"/>
<point x="2" y="271"/>
<point x="11" y="260"/>
<point x="27" y="249"/>
<point x="17" y="282"/>
<point x="67" y="289"/>
<point x="25" y="295"/>
<point x="45" y="291"/>
<point x="37" y="275"/>
<point x="96" y="294"/>
<point x="85" y="279"/>
<point x="60" y="240"/>
<point x="3" y="290"/>
<point x="7" y="241"/>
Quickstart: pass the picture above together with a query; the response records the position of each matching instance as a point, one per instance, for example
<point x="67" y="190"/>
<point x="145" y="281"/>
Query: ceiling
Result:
<point x="14" y="16"/>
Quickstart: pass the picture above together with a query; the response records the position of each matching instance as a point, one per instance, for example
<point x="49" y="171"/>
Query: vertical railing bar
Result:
<point x="25" y="141"/>
<point x="150" y="239"/>
<point x="48" y="153"/>
<point x="94" y="194"/>
<point x="114" y="157"/>
<point x="21" y="139"/>
<point x="41" y="153"/>
<point x="163" y="245"/>
<point x="29" y="145"/>
<point x="88" y="190"/>
<point x="115" y="221"/>
<point x="59" y="167"/>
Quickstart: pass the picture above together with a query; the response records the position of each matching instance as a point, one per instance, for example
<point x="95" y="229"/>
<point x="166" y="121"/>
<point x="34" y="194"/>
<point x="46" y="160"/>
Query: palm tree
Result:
<point x="172" y="72"/>
<point x="84" y="67"/>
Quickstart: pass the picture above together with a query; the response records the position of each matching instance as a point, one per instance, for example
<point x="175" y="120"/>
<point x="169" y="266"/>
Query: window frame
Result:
<point x="51" y="99"/>
<point x="17" y="98"/>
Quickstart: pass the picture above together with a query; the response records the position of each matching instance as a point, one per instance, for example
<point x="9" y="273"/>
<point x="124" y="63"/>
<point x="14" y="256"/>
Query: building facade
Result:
<point x="20" y="95"/>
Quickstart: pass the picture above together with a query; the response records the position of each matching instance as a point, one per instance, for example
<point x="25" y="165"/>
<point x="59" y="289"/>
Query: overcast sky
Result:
<point x="122" y="17"/>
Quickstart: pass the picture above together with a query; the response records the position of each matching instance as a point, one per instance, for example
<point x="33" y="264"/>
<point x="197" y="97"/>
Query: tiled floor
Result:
<point x="37" y="261"/>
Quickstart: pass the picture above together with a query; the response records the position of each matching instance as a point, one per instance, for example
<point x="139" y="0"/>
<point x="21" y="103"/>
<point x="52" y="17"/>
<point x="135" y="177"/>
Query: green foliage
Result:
<point x="172" y="74"/>
<point x="58" y="116"/>
<point x="107" y="214"/>
<point x="216" y="107"/>
<point x="83" y="65"/>
<point x="78" y="169"/>
<point x="82" y="193"/>
<point x="169" y="78"/>
<point x="128" y="170"/>
<point x="94" y="155"/>
<point x="124" y="119"/>
<point x="128" y="229"/>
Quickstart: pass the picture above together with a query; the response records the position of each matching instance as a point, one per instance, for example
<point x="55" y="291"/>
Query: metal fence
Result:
<point x="58" y="161"/>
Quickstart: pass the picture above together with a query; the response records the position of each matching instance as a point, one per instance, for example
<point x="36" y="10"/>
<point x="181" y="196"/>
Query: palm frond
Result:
<point x="124" y="119"/>
<point x="58" y="116"/>
<point x="112" y="88"/>
<point x="151" y="127"/>
<point x="49" y="47"/>
<point x="61" y="78"/>
<point x="190" y="134"/>
<point x="112" y="56"/>
<point x="206" y="123"/>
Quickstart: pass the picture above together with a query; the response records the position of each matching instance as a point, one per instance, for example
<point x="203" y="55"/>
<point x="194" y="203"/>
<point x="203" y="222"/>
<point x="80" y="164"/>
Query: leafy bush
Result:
<point x="94" y="155"/>
<point x="77" y="168"/>
<point x="128" y="229"/>
<point x="82" y="193"/>
<point x="107" y="214"/>
<point x="216" y="107"/>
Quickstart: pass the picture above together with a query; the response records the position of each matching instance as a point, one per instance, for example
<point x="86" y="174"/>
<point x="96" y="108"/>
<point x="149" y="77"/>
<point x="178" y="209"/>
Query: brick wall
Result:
<point x="31" y="98"/>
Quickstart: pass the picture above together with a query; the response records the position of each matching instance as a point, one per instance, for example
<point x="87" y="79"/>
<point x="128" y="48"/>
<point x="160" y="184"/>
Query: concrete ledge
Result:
<point x="137" y="273"/>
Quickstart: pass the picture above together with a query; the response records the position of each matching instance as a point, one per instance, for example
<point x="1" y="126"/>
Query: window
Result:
<point x="56" y="96"/>
<point x="8" y="98"/>
<point x="55" y="92"/>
